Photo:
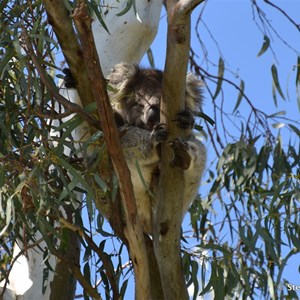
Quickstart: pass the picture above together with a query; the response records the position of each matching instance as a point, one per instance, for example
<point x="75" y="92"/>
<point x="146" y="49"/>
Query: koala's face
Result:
<point x="147" y="92"/>
<point x="136" y="101"/>
<point x="145" y="115"/>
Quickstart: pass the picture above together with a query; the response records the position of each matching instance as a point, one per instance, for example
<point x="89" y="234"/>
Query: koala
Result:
<point x="135" y="95"/>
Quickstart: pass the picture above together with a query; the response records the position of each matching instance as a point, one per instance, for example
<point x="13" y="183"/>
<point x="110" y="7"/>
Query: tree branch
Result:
<point x="284" y="13"/>
<point x="133" y="231"/>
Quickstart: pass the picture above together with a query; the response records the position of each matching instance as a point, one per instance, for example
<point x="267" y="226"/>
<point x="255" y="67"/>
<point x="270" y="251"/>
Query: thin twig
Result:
<point x="284" y="13"/>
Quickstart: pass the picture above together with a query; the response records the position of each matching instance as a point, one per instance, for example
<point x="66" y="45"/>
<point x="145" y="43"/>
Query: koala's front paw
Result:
<point x="182" y="158"/>
<point x="70" y="82"/>
<point x="160" y="133"/>
<point x="185" y="119"/>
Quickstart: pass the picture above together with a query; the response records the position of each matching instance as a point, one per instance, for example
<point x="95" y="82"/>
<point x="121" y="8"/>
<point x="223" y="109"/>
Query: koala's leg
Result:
<point x="190" y="156"/>
<point x="140" y="149"/>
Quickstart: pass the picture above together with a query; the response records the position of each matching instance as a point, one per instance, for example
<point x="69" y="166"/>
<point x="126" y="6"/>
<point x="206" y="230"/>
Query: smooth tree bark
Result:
<point x="128" y="44"/>
<point x="168" y="216"/>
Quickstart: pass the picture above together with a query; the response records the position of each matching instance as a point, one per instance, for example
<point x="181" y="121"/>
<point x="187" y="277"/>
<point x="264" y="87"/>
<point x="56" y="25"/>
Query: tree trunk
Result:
<point x="168" y="216"/>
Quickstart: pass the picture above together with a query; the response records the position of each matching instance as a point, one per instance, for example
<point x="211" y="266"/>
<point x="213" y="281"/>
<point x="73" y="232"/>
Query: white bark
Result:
<point x="128" y="39"/>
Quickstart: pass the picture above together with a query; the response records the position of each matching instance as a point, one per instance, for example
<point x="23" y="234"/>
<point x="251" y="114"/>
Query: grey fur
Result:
<point x="136" y="100"/>
<point x="137" y="90"/>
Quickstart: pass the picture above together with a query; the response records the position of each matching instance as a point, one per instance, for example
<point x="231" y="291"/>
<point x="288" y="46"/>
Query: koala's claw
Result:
<point x="70" y="82"/>
<point x="182" y="158"/>
<point x="185" y="119"/>
<point x="160" y="133"/>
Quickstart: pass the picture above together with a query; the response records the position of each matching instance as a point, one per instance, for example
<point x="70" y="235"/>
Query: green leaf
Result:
<point x="45" y="38"/>
<point x="18" y="49"/>
<point x="2" y="177"/>
<point x="247" y="241"/>
<point x="295" y="129"/>
<point x="68" y="5"/>
<point x="278" y="125"/>
<point x="4" y="61"/>
<point x="89" y="205"/>
<point x="87" y="272"/>
<point x="205" y="117"/>
<point x="298" y="72"/>
<point x="102" y="184"/>
<point x="143" y="180"/>
<point x="279" y="113"/>
<point x="240" y="96"/>
<point x="298" y="82"/>
<point x="150" y="58"/>
<point x="194" y="277"/>
<point x="123" y="289"/>
<point x="126" y="9"/>
<point x="220" y="77"/>
<point x="276" y="81"/>
<point x="264" y="47"/>
<point x="45" y="228"/>
<point x="274" y="93"/>
<point x="45" y="279"/>
<point x="99" y="16"/>
<point x="76" y="177"/>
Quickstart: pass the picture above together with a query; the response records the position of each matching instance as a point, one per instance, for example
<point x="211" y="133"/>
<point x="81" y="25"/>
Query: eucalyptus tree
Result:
<point x="49" y="190"/>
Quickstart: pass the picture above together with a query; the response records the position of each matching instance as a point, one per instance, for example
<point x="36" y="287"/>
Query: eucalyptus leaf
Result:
<point x="240" y="96"/>
<point x="265" y="46"/>
<point x="276" y="81"/>
<point x="220" y="77"/>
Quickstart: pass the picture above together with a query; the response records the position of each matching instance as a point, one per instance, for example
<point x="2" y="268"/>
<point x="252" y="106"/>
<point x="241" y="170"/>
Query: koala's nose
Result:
<point x="153" y="117"/>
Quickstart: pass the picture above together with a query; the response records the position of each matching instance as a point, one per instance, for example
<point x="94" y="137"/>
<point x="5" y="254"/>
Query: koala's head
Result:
<point x="137" y="92"/>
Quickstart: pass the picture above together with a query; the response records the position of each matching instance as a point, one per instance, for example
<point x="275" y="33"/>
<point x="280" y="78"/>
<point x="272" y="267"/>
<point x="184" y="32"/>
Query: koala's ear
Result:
<point x="193" y="93"/>
<point x="121" y="74"/>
